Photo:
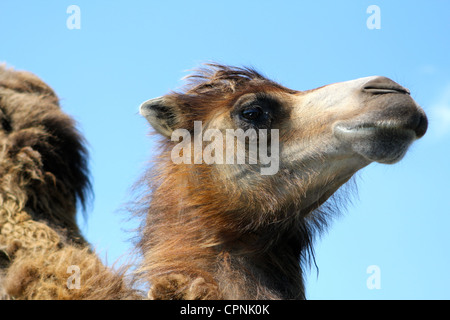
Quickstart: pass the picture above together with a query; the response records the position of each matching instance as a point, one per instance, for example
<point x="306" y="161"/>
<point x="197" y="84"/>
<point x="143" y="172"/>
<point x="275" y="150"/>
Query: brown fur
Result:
<point x="243" y="244"/>
<point x="43" y="177"/>
<point x="208" y="232"/>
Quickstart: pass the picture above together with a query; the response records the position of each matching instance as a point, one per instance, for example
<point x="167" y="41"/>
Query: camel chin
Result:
<point x="381" y="145"/>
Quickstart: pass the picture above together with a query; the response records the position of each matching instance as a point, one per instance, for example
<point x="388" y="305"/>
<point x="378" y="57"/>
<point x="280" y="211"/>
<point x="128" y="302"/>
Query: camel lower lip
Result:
<point x="384" y="144"/>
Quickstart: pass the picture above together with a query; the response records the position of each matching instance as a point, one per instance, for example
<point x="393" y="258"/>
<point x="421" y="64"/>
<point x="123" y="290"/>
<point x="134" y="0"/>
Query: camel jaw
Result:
<point x="379" y="144"/>
<point x="385" y="140"/>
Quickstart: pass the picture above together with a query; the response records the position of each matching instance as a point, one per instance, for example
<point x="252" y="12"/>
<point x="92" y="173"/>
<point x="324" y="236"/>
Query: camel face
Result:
<point x="308" y="142"/>
<point x="311" y="141"/>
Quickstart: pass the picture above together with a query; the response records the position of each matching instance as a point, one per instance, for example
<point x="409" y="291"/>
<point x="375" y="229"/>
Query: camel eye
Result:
<point x="252" y="113"/>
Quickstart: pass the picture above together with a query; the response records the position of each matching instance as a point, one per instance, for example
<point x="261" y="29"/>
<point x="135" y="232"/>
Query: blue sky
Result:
<point x="129" y="51"/>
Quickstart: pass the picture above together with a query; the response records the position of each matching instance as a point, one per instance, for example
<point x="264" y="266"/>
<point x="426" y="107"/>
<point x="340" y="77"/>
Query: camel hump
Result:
<point x="43" y="160"/>
<point x="23" y="81"/>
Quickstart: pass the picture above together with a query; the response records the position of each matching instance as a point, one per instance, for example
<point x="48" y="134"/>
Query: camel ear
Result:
<point x="161" y="116"/>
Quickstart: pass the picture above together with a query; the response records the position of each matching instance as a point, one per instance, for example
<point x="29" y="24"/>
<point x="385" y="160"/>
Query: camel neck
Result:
<point x="273" y="272"/>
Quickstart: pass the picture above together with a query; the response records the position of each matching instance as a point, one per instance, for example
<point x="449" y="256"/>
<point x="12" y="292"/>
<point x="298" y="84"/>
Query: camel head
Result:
<point x="313" y="141"/>
<point x="245" y="169"/>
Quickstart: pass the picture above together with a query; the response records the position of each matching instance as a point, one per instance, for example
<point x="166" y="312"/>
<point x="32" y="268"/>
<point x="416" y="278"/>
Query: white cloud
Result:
<point x="442" y="119"/>
<point x="439" y="116"/>
<point x="428" y="69"/>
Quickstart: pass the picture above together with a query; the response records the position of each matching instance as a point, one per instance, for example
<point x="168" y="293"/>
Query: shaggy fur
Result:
<point x="43" y="178"/>
<point x="189" y="243"/>
<point x="203" y="236"/>
<point x="207" y="240"/>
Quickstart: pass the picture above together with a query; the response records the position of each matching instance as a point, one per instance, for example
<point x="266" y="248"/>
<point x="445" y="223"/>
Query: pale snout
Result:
<point x="383" y="122"/>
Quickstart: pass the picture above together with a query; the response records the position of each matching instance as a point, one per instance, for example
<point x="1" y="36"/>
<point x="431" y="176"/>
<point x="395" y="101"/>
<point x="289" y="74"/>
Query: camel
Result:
<point x="218" y="220"/>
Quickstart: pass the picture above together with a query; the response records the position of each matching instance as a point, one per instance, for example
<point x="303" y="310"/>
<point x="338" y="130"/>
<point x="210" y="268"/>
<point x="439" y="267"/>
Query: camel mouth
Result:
<point x="399" y="119"/>
<point x="383" y="141"/>
<point x="367" y="129"/>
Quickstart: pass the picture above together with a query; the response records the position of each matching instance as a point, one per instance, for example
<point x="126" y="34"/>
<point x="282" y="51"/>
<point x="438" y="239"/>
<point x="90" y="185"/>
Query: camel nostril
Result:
<point x="382" y="85"/>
